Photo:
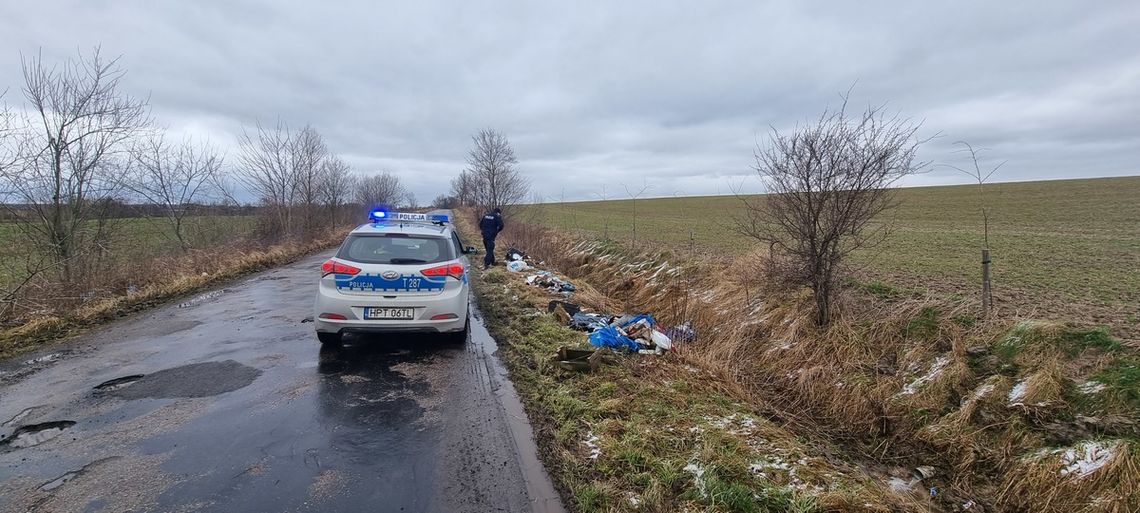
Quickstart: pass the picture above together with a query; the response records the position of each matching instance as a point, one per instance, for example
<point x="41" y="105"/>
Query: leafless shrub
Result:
<point x="337" y="184"/>
<point x="495" y="182"/>
<point x="174" y="177"/>
<point x="827" y="182"/>
<point x="267" y="171"/>
<point x="75" y="137"/>
<point x="384" y="189"/>
<point x="309" y="156"/>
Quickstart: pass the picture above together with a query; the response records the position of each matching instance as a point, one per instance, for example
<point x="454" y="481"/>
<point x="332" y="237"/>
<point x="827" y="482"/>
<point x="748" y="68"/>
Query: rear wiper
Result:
<point x="398" y="261"/>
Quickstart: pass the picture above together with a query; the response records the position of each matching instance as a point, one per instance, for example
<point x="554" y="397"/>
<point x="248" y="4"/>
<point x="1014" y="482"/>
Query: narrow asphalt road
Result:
<point x="225" y="402"/>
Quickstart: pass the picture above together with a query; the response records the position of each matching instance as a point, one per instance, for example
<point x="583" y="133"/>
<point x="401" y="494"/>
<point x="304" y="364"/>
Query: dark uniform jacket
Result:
<point x="491" y="225"/>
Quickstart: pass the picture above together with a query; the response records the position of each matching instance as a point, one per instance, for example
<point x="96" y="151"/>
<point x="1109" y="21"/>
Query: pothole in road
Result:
<point x="201" y="299"/>
<point x="194" y="380"/>
<point x="35" y="434"/>
<point x="70" y="475"/>
<point x="117" y="383"/>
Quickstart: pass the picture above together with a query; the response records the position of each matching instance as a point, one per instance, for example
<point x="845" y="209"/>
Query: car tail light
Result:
<point x="453" y="270"/>
<point x="333" y="317"/>
<point x="334" y="267"/>
<point x="444" y="317"/>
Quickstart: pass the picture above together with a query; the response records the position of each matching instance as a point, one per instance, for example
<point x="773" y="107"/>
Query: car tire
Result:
<point x="329" y="339"/>
<point x="460" y="337"/>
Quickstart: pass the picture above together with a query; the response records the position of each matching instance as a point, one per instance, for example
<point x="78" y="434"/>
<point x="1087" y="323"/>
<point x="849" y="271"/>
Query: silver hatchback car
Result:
<point x="400" y="273"/>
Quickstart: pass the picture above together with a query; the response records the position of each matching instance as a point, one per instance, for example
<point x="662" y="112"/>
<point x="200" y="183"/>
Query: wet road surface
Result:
<point x="226" y="402"/>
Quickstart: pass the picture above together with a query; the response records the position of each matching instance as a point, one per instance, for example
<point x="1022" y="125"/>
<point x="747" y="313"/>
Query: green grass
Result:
<point x="1065" y="241"/>
<point x="136" y="238"/>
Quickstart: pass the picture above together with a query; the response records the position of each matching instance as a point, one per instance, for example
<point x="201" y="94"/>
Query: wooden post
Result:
<point x="987" y="299"/>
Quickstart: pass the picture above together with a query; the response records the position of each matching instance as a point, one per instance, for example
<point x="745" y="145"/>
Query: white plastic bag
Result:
<point x="661" y="340"/>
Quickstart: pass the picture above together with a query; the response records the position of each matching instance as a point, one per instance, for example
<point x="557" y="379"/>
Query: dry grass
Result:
<point x="895" y="380"/>
<point x="181" y="275"/>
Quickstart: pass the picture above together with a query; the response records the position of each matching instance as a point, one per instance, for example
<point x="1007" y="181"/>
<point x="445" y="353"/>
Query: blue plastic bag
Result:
<point x="610" y="337"/>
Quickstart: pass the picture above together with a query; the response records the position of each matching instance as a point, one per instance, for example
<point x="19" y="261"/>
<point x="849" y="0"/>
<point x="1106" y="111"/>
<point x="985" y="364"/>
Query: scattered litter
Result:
<point x="636" y="333"/>
<point x="583" y="321"/>
<point x="514" y="255"/>
<point x="517" y="266"/>
<point x="683" y="332"/>
<point x="550" y="282"/>
<point x="1086" y="458"/>
<point x="579" y="359"/>
<point x="570" y="308"/>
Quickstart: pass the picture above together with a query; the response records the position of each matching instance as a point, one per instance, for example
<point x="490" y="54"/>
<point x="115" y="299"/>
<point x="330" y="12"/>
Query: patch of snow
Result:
<point x="983" y="390"/>
<point x="1086" y="458"/>
<point x="698" y="473"/>
<point x="936" y="368"/>
<point x="1091" y="387"/>
<point x="591" y="442"/>
<point x="1017" y="393"/>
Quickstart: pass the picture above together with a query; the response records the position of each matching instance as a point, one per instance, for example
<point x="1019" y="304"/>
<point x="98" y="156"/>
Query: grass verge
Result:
<point x="183" y="275"/>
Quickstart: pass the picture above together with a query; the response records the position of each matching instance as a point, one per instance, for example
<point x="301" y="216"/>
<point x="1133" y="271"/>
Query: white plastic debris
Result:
<point x="516" y="266"/>
<point x="661" y="340"/>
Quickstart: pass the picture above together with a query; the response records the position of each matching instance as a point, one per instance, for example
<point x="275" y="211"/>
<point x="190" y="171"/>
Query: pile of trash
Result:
<point x="550" y="282"/>
<point x="635" y="333"/>
<point x="517" y="262"/>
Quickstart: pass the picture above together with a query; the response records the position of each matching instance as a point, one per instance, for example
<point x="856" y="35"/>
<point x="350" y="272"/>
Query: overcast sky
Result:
<point x="595" y="97"/>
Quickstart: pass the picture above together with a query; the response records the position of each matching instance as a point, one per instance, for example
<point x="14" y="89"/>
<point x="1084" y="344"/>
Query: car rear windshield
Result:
<point x="396" y="249"/>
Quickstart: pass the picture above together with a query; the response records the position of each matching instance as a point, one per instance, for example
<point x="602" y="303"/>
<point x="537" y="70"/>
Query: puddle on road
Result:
<point x="19" y="416"/>
<point x="201" y="299"/>
<point x="118" y="383"/>
<point x="194" y="380"/>
<point x="35" y="434"/>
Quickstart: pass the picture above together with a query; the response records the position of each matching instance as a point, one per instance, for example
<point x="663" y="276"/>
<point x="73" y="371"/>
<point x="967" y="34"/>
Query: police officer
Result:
<point x="490" y="225"/>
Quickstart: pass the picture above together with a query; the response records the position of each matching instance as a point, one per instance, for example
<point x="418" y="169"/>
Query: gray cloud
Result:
<point x="596" y="96"/>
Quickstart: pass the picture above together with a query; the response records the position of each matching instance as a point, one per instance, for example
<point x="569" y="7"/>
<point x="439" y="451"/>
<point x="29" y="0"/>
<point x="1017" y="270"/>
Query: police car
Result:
<point x="400" y="273"/>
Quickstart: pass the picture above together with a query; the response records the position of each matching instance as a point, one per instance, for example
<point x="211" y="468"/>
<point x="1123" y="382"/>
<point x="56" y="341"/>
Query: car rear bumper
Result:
<point x="452" y="301"/>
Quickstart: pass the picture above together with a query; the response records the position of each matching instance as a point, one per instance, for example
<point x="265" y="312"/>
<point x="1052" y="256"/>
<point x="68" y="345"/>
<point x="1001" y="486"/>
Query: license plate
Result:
<point x="389" y="313"/>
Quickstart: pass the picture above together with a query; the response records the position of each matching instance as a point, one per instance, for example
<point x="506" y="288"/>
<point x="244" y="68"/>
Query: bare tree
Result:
<point x="268" y="171"/>
<point x="337" y="185"/>
<point x="462" y="189"/>
<point x="633" y="204"/>
<point x="175" y="177"/>
<point x="976" y="173"/>
<point x="491" y="164"/>
<point x="384" y="189"/>
<point x="309" y="154"/>
<point x="827" y="182"/>
<point x="76" y="127"/>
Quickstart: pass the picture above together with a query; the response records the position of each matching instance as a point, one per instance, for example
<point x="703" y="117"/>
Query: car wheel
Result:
<point x="329" y="339"/>
<point x="460" y="337"/>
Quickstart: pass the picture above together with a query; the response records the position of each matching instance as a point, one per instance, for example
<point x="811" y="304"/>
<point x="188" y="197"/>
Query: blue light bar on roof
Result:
<point x="379" y="215"/>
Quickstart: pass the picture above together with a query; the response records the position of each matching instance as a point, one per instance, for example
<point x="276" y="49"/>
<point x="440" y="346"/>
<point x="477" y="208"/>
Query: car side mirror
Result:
<point x="470" y="250"/>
